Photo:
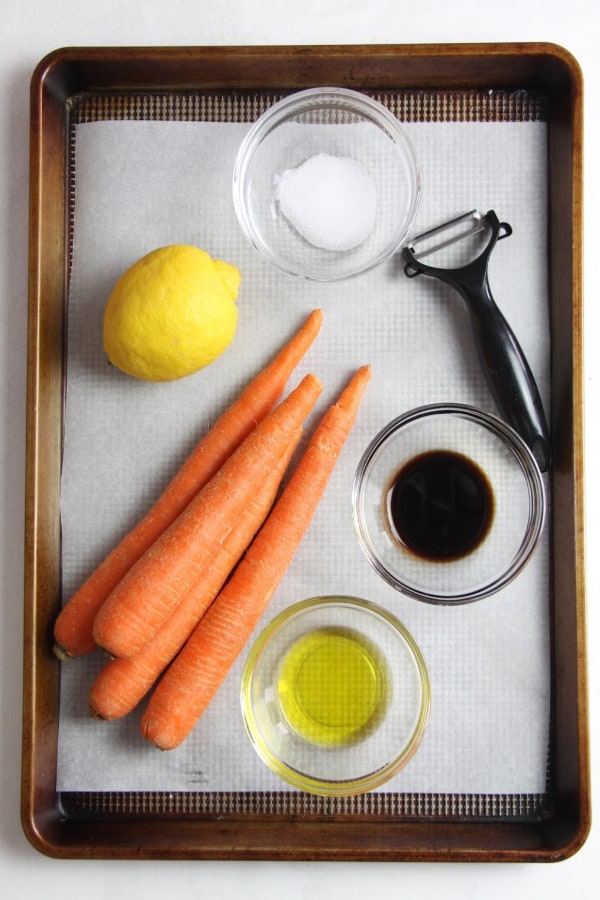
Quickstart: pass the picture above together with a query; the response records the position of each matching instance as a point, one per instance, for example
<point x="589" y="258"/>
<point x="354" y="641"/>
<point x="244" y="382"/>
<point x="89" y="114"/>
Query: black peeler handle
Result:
<point x="508" y="373"/>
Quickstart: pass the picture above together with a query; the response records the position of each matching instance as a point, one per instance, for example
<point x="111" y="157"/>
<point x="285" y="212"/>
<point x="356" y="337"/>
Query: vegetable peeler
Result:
<point x="508" y="373"/>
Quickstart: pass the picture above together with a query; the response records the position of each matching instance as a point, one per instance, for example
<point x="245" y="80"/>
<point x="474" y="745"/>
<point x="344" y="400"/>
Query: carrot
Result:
<point x="151" y="590"/>
<point x="73" y="627"/>
<point x="196" y="674"/>
<point x="122" y="683"/>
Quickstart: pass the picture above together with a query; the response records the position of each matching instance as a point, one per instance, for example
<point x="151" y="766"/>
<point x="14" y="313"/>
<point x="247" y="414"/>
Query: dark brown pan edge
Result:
<point x="67" y="72"/>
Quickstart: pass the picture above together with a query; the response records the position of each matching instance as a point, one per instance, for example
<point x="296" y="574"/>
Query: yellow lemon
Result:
<point x="171" y="314"/>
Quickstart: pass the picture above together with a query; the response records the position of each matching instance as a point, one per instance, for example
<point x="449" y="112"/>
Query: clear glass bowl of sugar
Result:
<point x="326" y="184"/>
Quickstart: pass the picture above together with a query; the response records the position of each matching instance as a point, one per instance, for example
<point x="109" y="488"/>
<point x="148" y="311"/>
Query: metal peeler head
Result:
<point x="454" y="244"/>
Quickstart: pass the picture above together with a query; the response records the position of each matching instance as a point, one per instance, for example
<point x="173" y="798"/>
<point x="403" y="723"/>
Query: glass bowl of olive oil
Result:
<point x="335" y="695"/>
<point x="449" y="503"/>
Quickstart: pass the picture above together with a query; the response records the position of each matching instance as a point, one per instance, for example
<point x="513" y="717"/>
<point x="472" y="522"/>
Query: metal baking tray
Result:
<point x="470" y="82"/>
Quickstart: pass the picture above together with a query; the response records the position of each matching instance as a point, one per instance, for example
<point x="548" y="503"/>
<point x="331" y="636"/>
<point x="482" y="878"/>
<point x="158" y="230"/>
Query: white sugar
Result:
<point x="330" y="200"/>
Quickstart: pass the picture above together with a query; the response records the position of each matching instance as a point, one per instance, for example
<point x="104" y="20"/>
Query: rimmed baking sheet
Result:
<point x="430" y="108"/>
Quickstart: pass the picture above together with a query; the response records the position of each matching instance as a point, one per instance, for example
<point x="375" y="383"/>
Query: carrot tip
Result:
<point x="352" y="393"/>
<point x="61" y="653"/>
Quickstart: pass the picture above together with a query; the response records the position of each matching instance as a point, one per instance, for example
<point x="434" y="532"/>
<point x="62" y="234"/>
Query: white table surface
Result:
<point x="28" y="30"/>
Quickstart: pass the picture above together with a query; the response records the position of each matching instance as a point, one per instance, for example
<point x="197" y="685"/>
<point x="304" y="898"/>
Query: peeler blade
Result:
<point x="446" y="234"/>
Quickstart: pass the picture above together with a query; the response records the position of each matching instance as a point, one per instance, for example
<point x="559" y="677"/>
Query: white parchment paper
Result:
<point x="140" y="185"/>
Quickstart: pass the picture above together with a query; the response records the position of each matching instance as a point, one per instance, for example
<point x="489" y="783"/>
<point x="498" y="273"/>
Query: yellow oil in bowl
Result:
<point x="333" y="687"/>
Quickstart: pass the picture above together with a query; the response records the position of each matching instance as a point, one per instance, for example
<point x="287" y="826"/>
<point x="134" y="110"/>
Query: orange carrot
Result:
<point x="151" y="590"/>
<point x="73" y="627"/>
<point x="195" y="675"/>
<point x="122" y="683"/>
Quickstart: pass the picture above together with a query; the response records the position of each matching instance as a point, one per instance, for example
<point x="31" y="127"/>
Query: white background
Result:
<point x="28" y="30"/>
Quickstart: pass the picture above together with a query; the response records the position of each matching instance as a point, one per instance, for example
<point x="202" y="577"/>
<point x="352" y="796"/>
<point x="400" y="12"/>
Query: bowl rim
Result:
<point x="523" y="456"/>
<point x="344" y="97"/>
<point x="310" y="783"/>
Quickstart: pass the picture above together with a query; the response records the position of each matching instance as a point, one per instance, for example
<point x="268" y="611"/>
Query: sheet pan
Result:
<point x="437" y="83"/>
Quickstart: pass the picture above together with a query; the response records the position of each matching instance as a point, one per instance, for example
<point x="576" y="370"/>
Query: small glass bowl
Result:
<point x="516" y="511"/>
<point x="335" y="695"/>
<point x="340" y="123"/>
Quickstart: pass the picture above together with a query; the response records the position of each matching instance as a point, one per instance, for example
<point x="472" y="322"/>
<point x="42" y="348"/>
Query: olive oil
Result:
<point x="333" y="687"/>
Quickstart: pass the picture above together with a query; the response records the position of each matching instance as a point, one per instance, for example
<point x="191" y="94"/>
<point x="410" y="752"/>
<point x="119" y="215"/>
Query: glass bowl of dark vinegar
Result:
<point x="448" y="503"/>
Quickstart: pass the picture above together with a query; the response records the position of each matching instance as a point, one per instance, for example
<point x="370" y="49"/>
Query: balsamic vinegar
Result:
<point x="440" y="505"/>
